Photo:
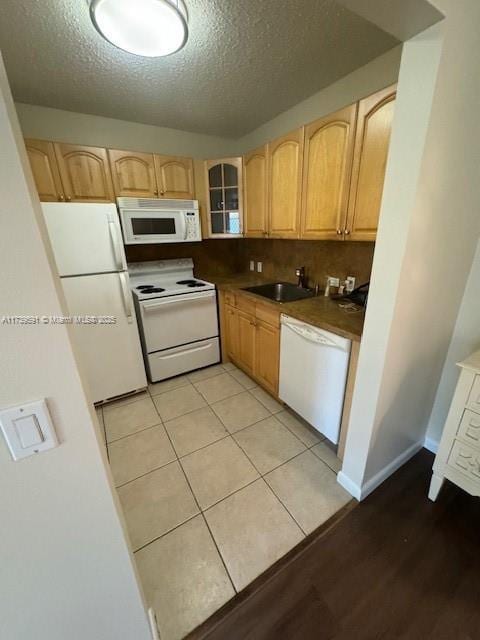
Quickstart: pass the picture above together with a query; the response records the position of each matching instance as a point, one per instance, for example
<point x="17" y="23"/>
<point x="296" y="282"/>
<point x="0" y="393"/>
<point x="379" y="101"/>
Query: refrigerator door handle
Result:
<point x="116" y="243"/>
<point x="126" y="296"/>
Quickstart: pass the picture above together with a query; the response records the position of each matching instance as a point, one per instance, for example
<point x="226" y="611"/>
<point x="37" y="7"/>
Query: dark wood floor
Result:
<point x="395" y="566"/>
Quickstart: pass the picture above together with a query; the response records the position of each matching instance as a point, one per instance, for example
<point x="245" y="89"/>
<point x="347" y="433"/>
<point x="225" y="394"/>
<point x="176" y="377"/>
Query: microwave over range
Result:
<point x="148" y="221"/>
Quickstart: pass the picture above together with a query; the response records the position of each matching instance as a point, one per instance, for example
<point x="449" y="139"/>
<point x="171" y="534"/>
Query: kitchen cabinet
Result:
<point x="267" y="355"/>
<point x="251" y="337"/>
<point x="133" y="174"/>
<point x="224" y="197"/>
<point x="230" y="330"/>
<point x="246" y="341"/>
<point x="85" y="173"/>
<point x="41" y="155"/>
<point x="374" y="124"/>
<point x="255" y="190"/>
<point x="174" y="177"/>
<point x="327" y="168"/>
<point x="285" y="159"/>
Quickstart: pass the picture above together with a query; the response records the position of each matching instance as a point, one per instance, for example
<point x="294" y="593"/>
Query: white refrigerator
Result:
<point x="87" y="244"/>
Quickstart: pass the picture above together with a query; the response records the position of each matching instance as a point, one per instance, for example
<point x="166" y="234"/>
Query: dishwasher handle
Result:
<point x="311" y="334"/>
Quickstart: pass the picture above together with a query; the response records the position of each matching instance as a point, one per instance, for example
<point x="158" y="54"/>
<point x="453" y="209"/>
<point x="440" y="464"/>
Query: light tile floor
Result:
<point x="217" y="481"/>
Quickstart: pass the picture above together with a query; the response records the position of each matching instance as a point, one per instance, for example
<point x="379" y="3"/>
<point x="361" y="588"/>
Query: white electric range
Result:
<point x="177" y="317"/>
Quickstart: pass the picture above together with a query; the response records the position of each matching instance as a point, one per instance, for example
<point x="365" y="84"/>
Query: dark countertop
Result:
<point x="319" y="311"/>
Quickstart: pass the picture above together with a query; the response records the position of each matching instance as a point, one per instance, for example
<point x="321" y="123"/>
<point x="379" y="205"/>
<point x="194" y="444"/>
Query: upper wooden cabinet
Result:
<point x="85" y="173"/>
<point x="224" y="179"/>
<point x="255" y="189"/>
<point x="327" y="168"/>
<point x="133" y="174"/>
<point x="285" y="157"/>
<point x="375" y="117"/>
<point x="174" y="177"/>
<point x="45" y="170"/>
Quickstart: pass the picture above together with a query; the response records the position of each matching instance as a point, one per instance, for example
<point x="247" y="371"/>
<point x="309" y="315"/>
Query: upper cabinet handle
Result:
<point x="347" y="232"/>
<point x="155" y="192"/>
<point x="61" y="197"/>
<point x="339" y="232"/>
<point x="69" y="198"/>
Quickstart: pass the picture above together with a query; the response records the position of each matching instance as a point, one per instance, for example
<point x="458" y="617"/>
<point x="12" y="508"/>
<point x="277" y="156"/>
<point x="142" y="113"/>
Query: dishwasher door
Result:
<point x="313" y="374"/>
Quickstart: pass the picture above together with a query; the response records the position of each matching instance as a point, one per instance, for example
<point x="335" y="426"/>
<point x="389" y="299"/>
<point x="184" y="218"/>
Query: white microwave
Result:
<point x="149" y="221"/>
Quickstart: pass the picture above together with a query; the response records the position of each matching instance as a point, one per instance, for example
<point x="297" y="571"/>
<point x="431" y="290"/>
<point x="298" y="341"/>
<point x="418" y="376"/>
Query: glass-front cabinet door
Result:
<point x="224" y="185"/>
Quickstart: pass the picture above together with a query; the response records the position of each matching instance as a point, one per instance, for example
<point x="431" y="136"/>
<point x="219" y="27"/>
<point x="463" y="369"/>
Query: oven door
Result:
<point x="152" y="227"/>
<point x="178" y="320"/>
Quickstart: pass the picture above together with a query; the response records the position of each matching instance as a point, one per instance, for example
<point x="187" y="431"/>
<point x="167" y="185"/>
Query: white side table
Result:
<point x="458" y="457"/>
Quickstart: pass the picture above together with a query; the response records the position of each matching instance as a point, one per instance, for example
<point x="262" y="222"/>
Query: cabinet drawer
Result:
<point x="230" y="298"/>
<point x="245" y="304"/>
<point x="473" y="401"/>
<point x="466" y="460"/>
<point x="268" y="314"/>
<point x="469" y="429"/>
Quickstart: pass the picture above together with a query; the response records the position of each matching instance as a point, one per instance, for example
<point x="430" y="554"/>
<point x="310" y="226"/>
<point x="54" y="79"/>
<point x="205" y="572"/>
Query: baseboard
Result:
<point x="387" y="471"/>
<point x="430" y="444"/>
<point x="366" y="489"/>
<point x="153" y="624"/>
<point x="350" y="486"/>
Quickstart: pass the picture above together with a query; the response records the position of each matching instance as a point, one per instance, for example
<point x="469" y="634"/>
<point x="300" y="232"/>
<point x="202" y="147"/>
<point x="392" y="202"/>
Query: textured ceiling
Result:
<point x="245" y="62"/>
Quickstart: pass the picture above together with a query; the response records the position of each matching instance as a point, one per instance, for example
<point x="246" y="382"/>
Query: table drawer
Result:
<point x="473" y="401"/>
<point x="466" y="460"/>
<point x="469" y="429"/>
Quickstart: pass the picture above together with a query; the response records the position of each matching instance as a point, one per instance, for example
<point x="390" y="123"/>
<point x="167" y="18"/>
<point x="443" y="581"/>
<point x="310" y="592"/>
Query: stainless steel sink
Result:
<point x="281" y="291"/>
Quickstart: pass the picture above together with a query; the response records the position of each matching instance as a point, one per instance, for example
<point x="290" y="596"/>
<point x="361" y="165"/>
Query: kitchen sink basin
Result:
<point x="281" y="291"/>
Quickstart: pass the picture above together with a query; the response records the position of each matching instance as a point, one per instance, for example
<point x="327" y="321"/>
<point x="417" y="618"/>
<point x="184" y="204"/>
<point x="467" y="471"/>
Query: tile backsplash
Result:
<point x="320" y="258"/>
<point x="280" y="258"/>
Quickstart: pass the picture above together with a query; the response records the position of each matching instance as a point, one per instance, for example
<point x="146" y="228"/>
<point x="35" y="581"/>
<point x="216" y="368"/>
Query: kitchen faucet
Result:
<point x="300" y="273"/>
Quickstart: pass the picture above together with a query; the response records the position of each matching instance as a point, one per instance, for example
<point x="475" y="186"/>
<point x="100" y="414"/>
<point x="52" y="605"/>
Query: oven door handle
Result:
<point x="191" y="297"/>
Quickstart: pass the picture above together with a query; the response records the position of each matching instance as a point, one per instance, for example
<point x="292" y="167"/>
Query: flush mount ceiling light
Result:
<point x="149" y="28"/>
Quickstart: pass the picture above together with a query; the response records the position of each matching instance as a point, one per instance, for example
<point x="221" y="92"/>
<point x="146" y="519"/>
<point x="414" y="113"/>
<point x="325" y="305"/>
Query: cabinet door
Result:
<point x="85" y="173"/>
<point x="231" y="332"/>
<point x="133" y="174"/>
<point x="224" y="197"/>
<point x="174" y="177"/>
<point x="327" y="168"/>
<point x="285" y="158"/>
<point x="45" y="170"/>
<point x="267" y="355"/>
<point x="375" y="116"/>
<point x="246" y="341"/>
<point x="255" y="188"/>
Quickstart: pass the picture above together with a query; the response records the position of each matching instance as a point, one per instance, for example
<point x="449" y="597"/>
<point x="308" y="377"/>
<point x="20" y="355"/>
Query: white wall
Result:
<point x="65" y="568"/>
<point x="81" y="128"/>
<point x="426" y="242"/>
<point x="465" y="340"/>
<point x="377" y="74"/>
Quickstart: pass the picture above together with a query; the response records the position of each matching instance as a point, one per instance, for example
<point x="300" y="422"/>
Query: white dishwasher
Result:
<point x="313" y="374"/>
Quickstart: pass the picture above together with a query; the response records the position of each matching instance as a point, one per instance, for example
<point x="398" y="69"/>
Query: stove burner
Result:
<point x="189" y="282"/>
<point x="153" y="290"/>
<point x="196" y="284"/>
<point x="144" y="287"/>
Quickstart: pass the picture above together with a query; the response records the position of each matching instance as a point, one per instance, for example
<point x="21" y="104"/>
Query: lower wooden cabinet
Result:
<point x="251" y="339"/>
<point x="267" y="355"/>
<point x="246" y="342"/>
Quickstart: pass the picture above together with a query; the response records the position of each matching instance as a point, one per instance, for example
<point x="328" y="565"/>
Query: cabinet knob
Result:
<point x="69" y="198"/>
<point x="347" y="232"/>
<point x="339" y="232"/>
<point x="155" y="192"/>
<point x="162" y="193"/>
<point x="61" y="197"/>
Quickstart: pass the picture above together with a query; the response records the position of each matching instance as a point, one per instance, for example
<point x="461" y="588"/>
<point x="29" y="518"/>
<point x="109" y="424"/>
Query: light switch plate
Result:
<point x="28" y="429"/>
